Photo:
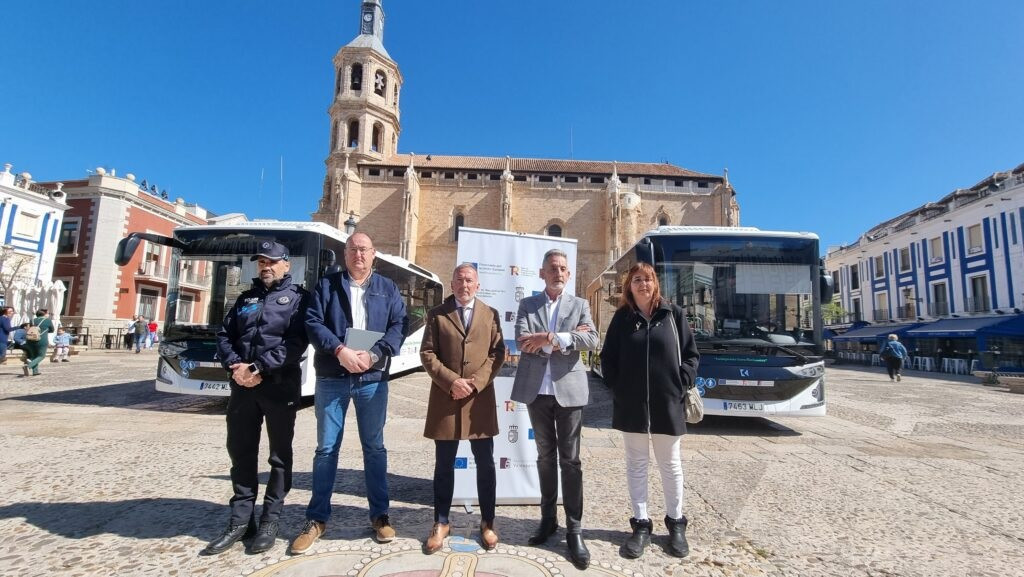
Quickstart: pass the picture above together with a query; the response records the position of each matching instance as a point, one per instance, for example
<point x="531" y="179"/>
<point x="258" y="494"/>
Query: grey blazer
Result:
<point x="568" y="373"/>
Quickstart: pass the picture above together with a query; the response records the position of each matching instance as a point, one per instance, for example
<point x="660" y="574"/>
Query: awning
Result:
<point x="969" y="327"/>
<point x="872" y="332"/>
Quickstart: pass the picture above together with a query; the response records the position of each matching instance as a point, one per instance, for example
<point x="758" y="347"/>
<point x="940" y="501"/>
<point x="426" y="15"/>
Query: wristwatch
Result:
<point x="373" y="357"/>
<point x="254" y="368"/>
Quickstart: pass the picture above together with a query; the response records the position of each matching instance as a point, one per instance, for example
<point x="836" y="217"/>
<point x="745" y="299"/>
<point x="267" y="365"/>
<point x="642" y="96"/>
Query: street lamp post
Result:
<point x="350" y="224"/>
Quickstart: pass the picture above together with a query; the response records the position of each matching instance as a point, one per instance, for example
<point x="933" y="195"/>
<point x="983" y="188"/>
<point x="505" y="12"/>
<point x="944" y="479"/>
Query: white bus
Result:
<point x="210" y="267"/>
<point x="753" y="300"/>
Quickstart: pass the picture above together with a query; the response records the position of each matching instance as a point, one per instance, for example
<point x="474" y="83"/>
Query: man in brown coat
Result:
<point x="462" y="351"/>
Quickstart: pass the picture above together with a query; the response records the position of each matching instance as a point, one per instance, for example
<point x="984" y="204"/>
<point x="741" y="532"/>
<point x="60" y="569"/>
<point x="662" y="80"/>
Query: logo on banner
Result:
<point x="461" y="462"/>
<point x="510" y="406"/>
<point x="504" y="463"/>
<point x="513" y="434"/>
<point x="513" y="269"/>
<point x="510" y="316"/>
<point x="520" y="293"/>
<point x="529" y="434"/>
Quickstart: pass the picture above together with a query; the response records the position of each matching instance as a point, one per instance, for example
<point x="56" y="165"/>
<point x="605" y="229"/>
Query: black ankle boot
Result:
<point x="231" y="535"/>
<point x="640" y="539"/>
<point x="677" y="545"/>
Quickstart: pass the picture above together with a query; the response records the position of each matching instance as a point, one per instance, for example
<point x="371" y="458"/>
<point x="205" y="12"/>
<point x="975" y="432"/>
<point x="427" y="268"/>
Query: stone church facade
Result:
<point x="412" y="205"/>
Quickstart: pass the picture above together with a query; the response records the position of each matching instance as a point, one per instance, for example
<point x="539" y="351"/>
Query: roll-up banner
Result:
<point x="508" y="265"/>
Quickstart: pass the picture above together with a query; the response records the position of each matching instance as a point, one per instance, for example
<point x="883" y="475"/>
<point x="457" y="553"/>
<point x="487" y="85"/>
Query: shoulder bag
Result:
<point x="691" y="398"/>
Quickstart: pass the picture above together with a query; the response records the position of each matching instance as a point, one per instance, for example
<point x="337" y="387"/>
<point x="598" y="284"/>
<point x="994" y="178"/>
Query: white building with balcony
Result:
<point x="958" y="261"/>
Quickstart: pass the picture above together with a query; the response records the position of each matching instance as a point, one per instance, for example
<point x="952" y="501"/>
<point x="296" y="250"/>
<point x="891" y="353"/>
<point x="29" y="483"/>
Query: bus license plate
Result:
<point x="205" y="386"/>
<point x="733" y="406"/>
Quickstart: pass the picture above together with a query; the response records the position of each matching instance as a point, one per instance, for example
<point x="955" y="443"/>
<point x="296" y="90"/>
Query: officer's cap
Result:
<point x="271" y="250"/>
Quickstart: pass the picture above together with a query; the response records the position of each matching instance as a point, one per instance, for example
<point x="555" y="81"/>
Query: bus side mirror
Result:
<point x="126" y="249"/>
<point x="826" y="288"/>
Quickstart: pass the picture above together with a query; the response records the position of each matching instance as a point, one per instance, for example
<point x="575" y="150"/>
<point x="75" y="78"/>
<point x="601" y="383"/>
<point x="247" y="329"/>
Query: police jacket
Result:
<point x="329" y="315"/>
<point x="265" y="327"/>
<point x="649" y="366"/>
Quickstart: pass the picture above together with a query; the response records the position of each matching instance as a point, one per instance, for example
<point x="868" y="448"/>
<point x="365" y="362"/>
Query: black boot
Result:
<point x="265" y="537"/>
<point x="233" y="534"/>
<point x="578" y="552"/>
<point x="640" y="539"/>
<point x="677" y="545"/>
<point x="547" y="528"/>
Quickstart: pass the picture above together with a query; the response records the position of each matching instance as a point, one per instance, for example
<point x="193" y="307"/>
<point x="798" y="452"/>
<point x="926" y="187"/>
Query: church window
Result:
<point x="356" y="82"/>
<point x="663" y="220"/>
<point x="374" y="172"/>
<point x="380" y="83"/>
<point x="623" y="179"/>
<point x="519" y="178"/>
<point x="398" y="173"/>
<point x="426" y="174"/>
<point x="647" y="181"/>
<point x="449" y="176"/>
<point x="678" y="183"/>
<point x="353" y="134"/>
<point x="472" y="176"/>
<point x="337" y="83"/>
<point x="335" y="134"/>
<point x="496" y="176"/>
<point x="702" y="185"/>
<point x="554" y="230"/>
<point x="572" y="179"/>
<point x="377" y="143"/>
<point x="597" y="180"/>
<point x="545" y="178"/>
<point x="459" y="220"/>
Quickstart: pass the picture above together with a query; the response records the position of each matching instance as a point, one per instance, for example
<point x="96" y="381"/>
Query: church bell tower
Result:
<point x="364" y="114"/>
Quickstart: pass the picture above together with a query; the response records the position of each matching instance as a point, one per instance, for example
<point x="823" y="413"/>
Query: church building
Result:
<point x="413" y="205"/>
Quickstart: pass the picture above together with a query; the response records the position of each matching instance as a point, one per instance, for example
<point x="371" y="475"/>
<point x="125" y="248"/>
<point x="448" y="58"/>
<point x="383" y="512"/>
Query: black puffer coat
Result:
<point x="648" y="369"/>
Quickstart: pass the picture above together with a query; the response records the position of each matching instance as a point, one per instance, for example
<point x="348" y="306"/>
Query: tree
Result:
<point x="14" y="267"/>
<point x="832" y="313"/>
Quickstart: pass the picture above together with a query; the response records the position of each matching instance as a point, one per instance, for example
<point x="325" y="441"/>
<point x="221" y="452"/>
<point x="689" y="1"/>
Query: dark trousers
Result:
<point x="557" y="432"/>
<point x="893" y="365"/>
<point x="246" y="410"/>
<point x="444" y="477"/>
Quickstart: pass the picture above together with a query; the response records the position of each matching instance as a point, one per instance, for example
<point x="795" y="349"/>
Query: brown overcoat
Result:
<point x="448" y="353"/>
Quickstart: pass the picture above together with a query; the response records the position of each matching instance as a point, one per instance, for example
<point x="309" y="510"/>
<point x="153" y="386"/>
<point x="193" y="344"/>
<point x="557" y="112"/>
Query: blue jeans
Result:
<point x="139" y="339"/>
<point x="332" y="401"/>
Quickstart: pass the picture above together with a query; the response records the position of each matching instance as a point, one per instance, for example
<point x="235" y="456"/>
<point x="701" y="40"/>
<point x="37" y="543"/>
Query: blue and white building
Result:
<point x="947" y="276"/>
<point x="30" y="223"/>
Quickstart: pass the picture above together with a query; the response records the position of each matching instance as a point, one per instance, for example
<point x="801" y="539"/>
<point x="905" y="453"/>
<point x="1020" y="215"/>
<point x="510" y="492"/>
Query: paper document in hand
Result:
<point x="361" y="340"/>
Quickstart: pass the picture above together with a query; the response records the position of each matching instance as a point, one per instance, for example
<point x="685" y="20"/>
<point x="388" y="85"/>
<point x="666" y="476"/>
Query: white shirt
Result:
<point x="563" y="339"/>
<point x="358" y="301"/>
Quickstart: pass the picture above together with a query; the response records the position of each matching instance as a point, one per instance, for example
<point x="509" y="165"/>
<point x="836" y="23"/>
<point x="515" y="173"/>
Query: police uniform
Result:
<point x="265" y="329"/>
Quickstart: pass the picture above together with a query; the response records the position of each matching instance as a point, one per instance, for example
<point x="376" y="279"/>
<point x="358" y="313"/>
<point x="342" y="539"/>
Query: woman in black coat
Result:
<point x="649" y="360"/>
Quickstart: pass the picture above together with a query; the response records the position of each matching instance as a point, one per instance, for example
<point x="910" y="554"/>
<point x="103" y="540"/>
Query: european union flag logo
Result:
<point x="529" y="434"/>
<point x="461" y="462"/>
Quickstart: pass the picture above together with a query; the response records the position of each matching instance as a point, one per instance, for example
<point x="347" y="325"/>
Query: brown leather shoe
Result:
<point x="487" y="535"/>
<point x="311" y="531"/>
<point x="436" y="539"/>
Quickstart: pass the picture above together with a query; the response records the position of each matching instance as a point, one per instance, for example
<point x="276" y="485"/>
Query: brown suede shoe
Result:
<point x="488" y="537"/>
<point x="311" y="531"/>
<point x="436" y="539"/>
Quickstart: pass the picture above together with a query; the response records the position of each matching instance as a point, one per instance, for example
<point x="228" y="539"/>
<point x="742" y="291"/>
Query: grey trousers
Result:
<point x="557" y="432"/>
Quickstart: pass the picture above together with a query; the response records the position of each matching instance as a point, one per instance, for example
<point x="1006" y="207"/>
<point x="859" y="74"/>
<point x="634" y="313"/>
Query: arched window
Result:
<point x="663" y="220"/>
<point x="337" y="83"/>
<point x="356" y="82"/>
<point x="335" y="135"/>
<point x="554" y="230"/>
<point x="377" y="143"/>
<point x="380" y="83"/>
<point x="460" y="220"/>
<point x="353" y="134"/>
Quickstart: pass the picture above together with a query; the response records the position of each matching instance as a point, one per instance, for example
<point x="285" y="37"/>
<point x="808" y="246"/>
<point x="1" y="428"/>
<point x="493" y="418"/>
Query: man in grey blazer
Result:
<point x="551" y="330"/>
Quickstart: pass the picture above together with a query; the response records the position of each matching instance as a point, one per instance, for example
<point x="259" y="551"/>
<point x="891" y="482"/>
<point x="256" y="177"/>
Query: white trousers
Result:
<point x="638" y="458"/>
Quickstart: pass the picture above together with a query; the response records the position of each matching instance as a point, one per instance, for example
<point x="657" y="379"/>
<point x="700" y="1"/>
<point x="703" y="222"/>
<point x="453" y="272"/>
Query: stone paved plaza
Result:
<point x="105" y="476"/>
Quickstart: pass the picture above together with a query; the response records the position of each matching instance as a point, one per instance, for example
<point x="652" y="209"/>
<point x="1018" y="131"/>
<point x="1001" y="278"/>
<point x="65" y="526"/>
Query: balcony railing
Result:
<point x="938" y="309"/>
<point x="153" y="269"/>
<point x="881" y="315"/>
<point x="193" y="278"/>
<point x="978" y="305"/>
<point x="905" y="312"/>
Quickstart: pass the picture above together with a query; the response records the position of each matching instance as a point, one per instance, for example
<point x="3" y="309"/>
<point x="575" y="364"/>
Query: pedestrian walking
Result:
<point x="894" y="354"/>
<point x="6" y="314"/>
<point x="649" y="360"/>
<point x="141" y="330"/>
<point x="37" y="341"/>
<point x="261" y="344"/>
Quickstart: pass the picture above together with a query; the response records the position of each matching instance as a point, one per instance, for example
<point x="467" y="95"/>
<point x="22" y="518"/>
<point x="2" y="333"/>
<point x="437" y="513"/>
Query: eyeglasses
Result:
<point x="359" y="249"/>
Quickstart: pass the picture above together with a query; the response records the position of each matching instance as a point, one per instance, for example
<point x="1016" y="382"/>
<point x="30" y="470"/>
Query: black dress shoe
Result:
<point x="548" y="526"/>
<point x="230" y="536"/>
<point x="265" y="537"/>
<point x="578" y="552"/>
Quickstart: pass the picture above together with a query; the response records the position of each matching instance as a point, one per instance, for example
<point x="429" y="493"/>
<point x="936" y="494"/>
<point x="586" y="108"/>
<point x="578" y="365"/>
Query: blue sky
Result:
<point x="831" y="116"/>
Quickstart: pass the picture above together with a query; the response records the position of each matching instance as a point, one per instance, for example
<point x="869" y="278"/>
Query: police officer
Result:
<point x="261" y="344"/>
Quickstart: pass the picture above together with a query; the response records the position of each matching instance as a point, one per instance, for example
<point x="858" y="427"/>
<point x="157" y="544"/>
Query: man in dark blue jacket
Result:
<point x="358" y="299"/>
<point x="5" y="331"/>
<point x="261" y="345"/>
